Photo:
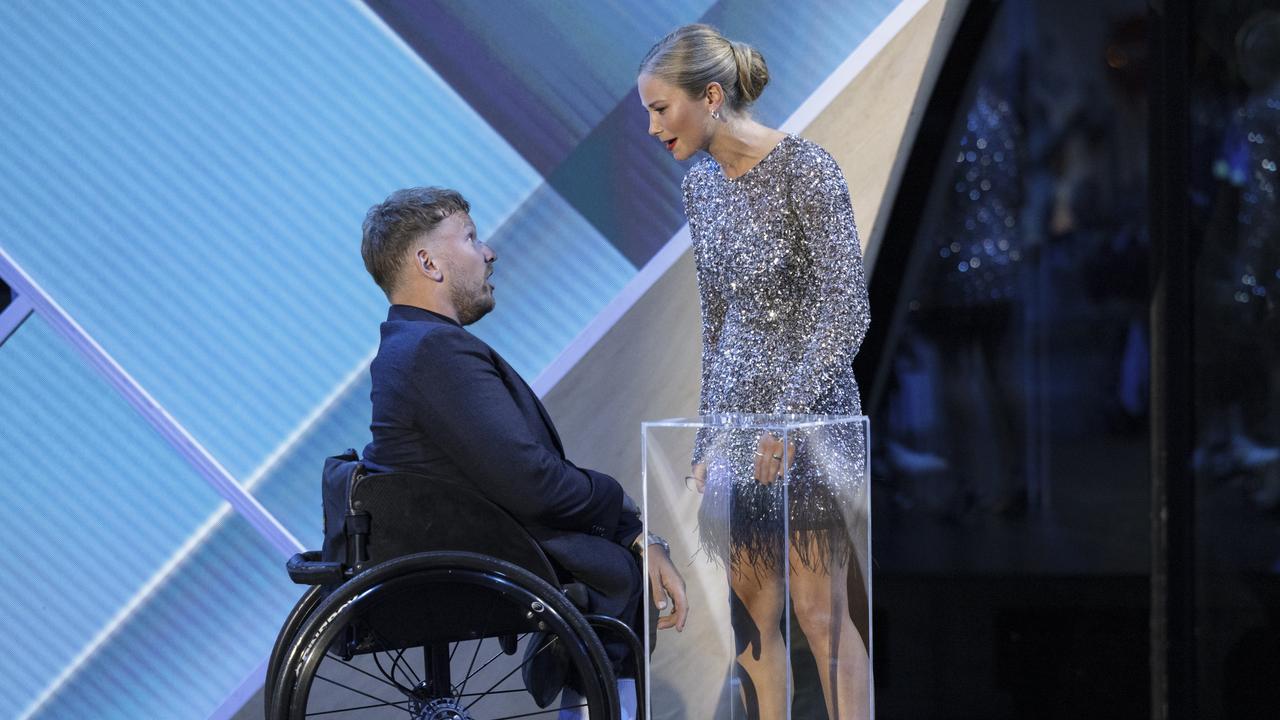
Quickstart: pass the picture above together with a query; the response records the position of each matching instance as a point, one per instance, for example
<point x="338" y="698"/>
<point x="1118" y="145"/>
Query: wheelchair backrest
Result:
<point x="409" y="513"/>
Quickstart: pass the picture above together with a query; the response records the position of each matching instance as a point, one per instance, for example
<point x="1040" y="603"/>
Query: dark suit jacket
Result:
<point x="447" y="405"/>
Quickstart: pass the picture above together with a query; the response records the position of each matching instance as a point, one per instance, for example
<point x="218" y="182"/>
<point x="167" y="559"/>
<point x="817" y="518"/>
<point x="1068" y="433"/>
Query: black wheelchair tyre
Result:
<point x="305" y="606"/>
<point x="417" y="614"/>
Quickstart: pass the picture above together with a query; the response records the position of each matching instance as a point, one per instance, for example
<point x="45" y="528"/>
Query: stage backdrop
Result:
<point x="183" y="185"/>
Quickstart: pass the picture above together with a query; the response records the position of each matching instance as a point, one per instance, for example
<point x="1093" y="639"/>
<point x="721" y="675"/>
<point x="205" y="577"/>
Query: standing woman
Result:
<point x="784" y="309"/>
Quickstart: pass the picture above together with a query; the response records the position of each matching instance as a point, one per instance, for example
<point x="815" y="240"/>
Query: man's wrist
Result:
<point x="655" y="539"/>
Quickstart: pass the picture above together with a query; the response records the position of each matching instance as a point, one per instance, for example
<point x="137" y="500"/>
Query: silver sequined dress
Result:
<point x="784" y="309"/>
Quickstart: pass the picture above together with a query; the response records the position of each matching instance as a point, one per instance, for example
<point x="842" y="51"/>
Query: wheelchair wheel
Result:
<point x="301" y="611"/>
<point x="437" y="636"/>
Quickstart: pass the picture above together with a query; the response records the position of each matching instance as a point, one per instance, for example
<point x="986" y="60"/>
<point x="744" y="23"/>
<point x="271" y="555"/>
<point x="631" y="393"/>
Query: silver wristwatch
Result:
<point x="654" y="539"/>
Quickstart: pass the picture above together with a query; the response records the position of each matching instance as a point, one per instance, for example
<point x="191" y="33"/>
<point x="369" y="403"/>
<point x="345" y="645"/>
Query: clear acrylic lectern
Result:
<point x="762" y="512"/>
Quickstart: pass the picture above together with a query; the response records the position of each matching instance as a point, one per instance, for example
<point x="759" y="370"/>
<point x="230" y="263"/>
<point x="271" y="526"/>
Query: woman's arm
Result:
<point x="713" y="312"/>
<point x="838" y="292"/>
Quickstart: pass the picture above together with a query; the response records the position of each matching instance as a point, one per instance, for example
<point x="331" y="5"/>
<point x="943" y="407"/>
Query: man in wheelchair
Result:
<point x="446" y="405"/>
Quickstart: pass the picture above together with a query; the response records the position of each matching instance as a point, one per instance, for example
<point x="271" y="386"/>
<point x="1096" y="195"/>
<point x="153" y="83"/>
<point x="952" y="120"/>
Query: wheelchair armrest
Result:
<point x="306" y="568"/>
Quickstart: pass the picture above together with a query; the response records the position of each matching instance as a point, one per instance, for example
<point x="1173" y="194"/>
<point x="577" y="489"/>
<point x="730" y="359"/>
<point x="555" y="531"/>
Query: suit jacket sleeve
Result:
<point x="463" y="401"/>
<point x="629" y="523"/>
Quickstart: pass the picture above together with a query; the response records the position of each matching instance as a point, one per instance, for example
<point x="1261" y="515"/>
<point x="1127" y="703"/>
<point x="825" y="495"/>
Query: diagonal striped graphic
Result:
<point x="208" y="171"/>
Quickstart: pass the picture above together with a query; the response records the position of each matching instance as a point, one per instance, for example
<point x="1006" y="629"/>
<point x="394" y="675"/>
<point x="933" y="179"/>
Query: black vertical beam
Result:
<point x="1173" y="500"/>
<point x="896" y="276"/>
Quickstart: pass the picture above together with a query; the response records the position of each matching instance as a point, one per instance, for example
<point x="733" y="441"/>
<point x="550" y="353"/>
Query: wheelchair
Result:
<point x="435" y="608"/>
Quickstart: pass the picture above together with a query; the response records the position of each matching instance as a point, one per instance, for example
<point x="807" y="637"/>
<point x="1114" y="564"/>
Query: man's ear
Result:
<point x="427" y="265"/>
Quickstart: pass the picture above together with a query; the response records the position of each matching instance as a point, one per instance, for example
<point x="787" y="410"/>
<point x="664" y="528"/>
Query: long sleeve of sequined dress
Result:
<point x="713" y="309"/>
<point x="836" y="295"/>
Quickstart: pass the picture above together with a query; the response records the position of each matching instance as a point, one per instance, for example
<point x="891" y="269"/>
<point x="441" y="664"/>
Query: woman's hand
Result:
<point x="772" y="457"/>
<point x="698" y="476"/>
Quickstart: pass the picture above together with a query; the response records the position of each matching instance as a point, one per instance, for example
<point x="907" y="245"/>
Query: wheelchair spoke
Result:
<point x="385" y="703"/>
<point x="489" y="662"/>
<point x="496" y="692"/>
<point x="361" y="707"/>
<point x="408" y="671"/>
<point x="390" y="676"/>
<point x="383" y="642"/>
<point x="382" y="679"/>
<point x="488" y="615"/>
<point x="514" y="670"/>
<point x="540" y="712"/>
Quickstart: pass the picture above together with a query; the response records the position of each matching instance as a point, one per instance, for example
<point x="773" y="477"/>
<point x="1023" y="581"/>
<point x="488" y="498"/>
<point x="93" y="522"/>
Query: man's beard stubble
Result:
<point x="472" y="301"/>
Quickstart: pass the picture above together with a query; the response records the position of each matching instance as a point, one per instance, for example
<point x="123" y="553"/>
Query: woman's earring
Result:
<point x="715" y="114"/>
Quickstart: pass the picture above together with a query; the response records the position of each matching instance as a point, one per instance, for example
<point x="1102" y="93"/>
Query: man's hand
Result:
<point x="668" y="589"/>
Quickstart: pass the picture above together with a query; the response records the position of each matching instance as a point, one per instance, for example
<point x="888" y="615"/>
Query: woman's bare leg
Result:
<point x="765" y="659"/>
<point x="821" y="604"/>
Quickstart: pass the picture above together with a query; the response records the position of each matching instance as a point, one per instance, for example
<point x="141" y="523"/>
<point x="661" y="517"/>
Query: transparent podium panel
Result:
<point x="768" y="518"/>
